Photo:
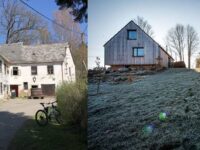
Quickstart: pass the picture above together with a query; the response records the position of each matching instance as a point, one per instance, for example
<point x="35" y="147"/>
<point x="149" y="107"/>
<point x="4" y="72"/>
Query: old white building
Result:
<point x="39" y="66"/>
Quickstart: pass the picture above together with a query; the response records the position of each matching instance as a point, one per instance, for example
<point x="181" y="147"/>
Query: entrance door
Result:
<point x="48" y="89"/>
<point x="14" y="88"/>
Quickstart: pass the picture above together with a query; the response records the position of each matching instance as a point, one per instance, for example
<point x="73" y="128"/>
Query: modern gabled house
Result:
<point x="132" y="47"/>
<point x="38" y="66"/>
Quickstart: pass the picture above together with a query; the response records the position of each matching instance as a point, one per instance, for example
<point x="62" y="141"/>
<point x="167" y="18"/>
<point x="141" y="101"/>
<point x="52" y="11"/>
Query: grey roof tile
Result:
<point x="19" y="53"/>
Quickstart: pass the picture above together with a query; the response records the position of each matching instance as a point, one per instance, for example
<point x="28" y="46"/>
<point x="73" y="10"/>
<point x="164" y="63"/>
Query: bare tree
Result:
<point x="17" y="23"/>
<point x="192" y="42"/>
<point x="175" y="40"/>
<point x="80" y="59"/>
<point x="169" y="49"/>
<point x="144" y="25"/>
<point x="45" y="36"/>
<point x="69" y="31"/>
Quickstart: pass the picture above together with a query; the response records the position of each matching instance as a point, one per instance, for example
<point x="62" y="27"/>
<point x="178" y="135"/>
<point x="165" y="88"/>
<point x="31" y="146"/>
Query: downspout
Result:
<point x="62" y="63"/>
<point x="62" y="70"/>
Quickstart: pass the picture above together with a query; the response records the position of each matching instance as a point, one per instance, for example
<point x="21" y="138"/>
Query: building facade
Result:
<point x="132" y="47"/>
<point x="41" y="66"/>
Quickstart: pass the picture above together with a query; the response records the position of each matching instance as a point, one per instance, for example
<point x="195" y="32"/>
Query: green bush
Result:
<point x="72" y="101"/>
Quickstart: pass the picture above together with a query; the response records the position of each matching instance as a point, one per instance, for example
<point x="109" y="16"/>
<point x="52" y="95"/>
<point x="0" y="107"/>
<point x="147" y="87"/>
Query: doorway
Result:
<point x="14" y="88"/>
<point x="48" y="89"/>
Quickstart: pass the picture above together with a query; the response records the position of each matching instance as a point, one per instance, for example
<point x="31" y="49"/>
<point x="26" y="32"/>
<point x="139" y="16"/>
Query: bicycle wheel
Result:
<point x="58" y="116"/>
<point x="41" y="118"/>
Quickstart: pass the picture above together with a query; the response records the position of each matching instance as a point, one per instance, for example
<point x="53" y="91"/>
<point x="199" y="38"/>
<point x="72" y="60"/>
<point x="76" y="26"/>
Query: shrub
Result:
<point x="198" y="63"/>
<point x="72" y="101"/>
<point x="179" y="64"/>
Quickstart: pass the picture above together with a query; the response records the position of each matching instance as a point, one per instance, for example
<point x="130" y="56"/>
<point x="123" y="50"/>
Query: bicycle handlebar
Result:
<point x="48" y="103"/>
<point x="52" y="102"/>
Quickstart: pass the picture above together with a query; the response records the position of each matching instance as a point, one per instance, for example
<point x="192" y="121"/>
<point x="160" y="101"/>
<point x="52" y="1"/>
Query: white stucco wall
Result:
<point x="3" y="79"/>
<point x="68" y="64"/>
<point x="42" y="76"/>
<point x="63" y="71"/>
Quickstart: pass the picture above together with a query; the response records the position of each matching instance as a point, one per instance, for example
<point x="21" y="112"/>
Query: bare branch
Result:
<point x="192" y="42"/>
<point x="144" y="25"/>
<point x="175" y="40"/>
<point x="64" y="18"/>
<point x="17" y="23"/>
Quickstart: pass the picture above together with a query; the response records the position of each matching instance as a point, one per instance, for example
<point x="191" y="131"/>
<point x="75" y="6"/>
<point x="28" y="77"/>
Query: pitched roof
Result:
<point x="144" y="32"/>
<point x="17" y="53"/>
<point x="117" y="32"/>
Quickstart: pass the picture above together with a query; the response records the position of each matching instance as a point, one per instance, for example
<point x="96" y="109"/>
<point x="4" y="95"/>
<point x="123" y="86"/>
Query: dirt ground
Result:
<point x="126" y="115"/>
<point x="13" y="113"/>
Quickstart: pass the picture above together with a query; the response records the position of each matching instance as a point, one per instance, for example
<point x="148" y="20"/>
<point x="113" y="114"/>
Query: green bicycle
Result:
<point x="49" y="113"/>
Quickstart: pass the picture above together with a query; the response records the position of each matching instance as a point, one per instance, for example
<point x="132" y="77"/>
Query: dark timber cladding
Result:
<point x="119" y="49"/>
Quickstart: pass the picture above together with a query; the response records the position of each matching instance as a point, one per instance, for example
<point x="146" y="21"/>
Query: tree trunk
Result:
<point x="189" y="56"/>
<point x="188" y="62"/>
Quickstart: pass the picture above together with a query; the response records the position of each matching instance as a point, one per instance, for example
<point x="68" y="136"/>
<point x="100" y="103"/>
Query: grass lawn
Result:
<point x="127" y="115"/>
<point x="31" y="136"/>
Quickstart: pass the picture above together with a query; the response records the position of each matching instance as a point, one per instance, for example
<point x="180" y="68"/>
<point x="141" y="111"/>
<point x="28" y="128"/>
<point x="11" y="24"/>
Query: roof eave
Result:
<point x="26" y="63"/>
<point x="117" y="33"/>
<point x="165" y="51"/>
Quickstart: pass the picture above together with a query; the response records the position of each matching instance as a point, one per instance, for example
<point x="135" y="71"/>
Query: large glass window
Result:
<point x="132" y="34"/>
<point x="33" y="70"/>
<point x="138" y="52"/>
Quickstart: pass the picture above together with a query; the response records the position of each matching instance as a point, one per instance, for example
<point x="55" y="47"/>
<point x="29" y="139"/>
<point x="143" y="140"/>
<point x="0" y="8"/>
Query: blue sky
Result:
<point x="107" y="17"/>
<point x="46" y="7"/>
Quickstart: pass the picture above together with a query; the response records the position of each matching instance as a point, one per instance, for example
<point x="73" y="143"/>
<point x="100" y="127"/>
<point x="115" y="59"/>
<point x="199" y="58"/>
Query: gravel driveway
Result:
<point x="13" y="113"/>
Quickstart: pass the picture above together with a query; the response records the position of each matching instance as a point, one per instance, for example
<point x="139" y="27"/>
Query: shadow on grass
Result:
<point x="32" y="136"/>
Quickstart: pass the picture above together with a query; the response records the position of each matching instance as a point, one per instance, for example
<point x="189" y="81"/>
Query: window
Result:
<point x="0" y="66"/>
<point x="70" y="71"/>
<point x="34" y="86"/>
<point x="25" y="85"/>
<point x="33" y="70"/>
<point x="50" y="69"/>
<point x="1" y="88"/>
<point x="132" y="34"/>
<point x="138" y="52"/>
<point x="15" y="71"/>
<point x="6" y="88"/>
<point x="5" y="68"/>
<point x="66" y="68"/>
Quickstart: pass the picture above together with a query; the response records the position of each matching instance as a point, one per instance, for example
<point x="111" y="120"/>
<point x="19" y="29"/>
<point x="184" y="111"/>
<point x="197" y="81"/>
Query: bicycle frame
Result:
<point x="49" y="109"/>
<point x="50" y="112"/>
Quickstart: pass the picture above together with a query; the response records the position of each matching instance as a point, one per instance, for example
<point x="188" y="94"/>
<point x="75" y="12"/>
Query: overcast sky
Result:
<point x="107" y="17"/>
